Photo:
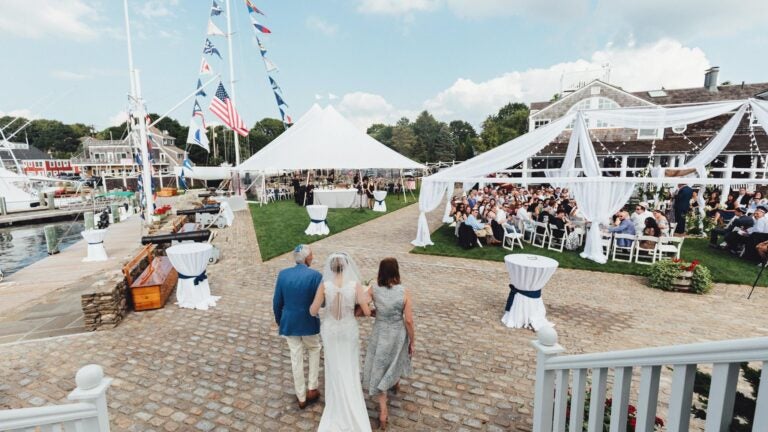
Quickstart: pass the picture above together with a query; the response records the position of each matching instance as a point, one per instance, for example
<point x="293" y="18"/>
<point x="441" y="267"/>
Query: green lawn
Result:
<point x="280" y="225"/>
<point x="724" y="268"/>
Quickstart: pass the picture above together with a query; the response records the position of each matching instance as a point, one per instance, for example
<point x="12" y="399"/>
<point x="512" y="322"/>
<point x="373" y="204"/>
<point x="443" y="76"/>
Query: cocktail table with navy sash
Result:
<point x="190" y="260"/>
<point x="527" y="276"/>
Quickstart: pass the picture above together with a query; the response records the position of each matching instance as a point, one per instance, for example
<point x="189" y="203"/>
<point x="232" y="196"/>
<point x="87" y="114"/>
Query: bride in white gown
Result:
<point x="340" y="290"/>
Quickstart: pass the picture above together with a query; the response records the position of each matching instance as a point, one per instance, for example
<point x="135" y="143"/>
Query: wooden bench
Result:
<point x="150" y="279"/>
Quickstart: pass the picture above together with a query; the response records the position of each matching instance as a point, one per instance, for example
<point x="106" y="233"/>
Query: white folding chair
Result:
<point x="646" y="255"/>
<point x="556" y="243"/>
<point x="672" y="228"/>
<point x="580" y="228"/>
<point x="540" y="234"/>
<point x="669" y="247"/>
<point x="529" y="229"/>
<point x="606" y="239"/>
<point x="511" y="236"/>
<point x="625" y="253"/>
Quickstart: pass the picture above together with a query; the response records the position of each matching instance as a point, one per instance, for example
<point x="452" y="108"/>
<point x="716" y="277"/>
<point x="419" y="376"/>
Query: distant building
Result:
<point x="34" y="161"/>
<point x="625" y="152"/>
<point x="115" y="158"/>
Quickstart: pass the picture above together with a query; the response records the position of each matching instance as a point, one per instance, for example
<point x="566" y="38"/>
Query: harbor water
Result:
<point x="23" y="245"/>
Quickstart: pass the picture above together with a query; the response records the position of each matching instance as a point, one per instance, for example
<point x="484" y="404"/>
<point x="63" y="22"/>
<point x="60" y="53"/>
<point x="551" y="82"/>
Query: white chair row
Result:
<point x="641" y="249"/>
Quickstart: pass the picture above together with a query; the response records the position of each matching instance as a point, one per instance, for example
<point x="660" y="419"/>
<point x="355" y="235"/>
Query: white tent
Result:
<point x="324" y="139"/>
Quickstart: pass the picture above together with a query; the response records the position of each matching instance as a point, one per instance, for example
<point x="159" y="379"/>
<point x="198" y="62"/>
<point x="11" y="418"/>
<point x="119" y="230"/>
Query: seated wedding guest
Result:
<point x="742" y="197"/>
<point x="661" y="221"/>
<point x="739" y="221"/>
<point x="762" y="251"/>
<point x="472" y="198"/>
<point x="481" y="230"/>
<point x="624" y="226"/>
<point x="392" y="340"/>
<point x="738" y="239"/>
<point x="725" y="212"/>
<point x="713" y="203"/>
<point x="651" y="229"/>
<point x="640" y="215"/>
<point x="560" y="221"/>
<point x="756" y="200"/>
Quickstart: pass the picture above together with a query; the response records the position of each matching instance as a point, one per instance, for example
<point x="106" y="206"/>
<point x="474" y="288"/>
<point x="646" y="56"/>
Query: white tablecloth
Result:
<point x="317" y="213"/>
<point x="336" y="198"/>
<point x="528" y="273"/>
<point x="379" y="205"/>
<point x="95" y="239"/>
<point x="191" y="259"/>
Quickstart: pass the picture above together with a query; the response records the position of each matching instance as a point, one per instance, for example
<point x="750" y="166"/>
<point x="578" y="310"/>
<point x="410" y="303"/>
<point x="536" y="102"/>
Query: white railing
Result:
<point x="89" y="414"/>
<point x="553" y="379"/>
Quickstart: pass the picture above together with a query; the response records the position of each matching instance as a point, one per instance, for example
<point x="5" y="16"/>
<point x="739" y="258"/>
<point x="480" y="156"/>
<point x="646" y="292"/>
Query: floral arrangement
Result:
<point x="665" y="273"/>
<point x="162" y="211"/>
<point x="631" y="415"/>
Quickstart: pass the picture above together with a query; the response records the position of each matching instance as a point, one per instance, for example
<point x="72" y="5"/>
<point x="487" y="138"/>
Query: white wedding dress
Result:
<point x="344" y="403"/>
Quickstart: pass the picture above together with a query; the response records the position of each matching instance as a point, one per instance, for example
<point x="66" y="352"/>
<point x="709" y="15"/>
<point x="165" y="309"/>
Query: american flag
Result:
<point x="221" y="105"/>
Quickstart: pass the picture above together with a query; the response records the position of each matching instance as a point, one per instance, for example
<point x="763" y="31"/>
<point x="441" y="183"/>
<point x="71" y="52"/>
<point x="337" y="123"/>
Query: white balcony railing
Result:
<point x="88" y="414"/>
<point x="553" y="376"/>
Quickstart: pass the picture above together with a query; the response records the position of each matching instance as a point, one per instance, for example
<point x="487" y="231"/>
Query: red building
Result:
<point x="34" y="161"/>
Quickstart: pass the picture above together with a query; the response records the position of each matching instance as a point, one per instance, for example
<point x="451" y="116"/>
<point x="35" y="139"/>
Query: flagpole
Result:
<point x="146" y="173"/>
<point x="130" y="49"/>
<point x="232" y="78"/>
<point x="190" y="96"/>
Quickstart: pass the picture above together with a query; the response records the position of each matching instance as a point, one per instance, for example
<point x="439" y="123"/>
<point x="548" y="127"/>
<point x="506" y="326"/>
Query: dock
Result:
<point x="43" y="299"/>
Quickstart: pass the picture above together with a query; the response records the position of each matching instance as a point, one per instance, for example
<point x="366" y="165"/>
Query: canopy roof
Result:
<point x="324" y="139"/>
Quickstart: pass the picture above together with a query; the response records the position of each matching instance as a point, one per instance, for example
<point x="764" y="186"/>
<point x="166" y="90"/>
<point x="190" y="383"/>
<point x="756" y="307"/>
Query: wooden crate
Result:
<point x="152" y="289"/>
<point x="166" y="192"/>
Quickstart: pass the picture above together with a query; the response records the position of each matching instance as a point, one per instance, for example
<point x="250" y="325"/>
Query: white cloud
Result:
<point x="365" y="109"/>
<point x="21" y="112"/>
<point x="397" y="7"/>
<point x="34" y="19"/>
<point x="322" y="26"/>
<point x="69" y="75"/>
<point x="665" y="63"/>
<point x="158" y="8"/>
<point x="118" y="119"/>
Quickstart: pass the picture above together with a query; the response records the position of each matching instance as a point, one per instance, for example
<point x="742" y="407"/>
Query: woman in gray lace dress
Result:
<point x="391" y="344"/>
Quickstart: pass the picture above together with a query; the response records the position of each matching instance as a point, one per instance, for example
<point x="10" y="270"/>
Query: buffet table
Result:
<point x="337" y="198"/>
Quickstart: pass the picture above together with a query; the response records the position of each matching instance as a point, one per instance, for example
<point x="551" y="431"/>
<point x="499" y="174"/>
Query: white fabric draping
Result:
<point x="336" y="198"/>
<point x="429" y="198"/>
<point x="191" y="259"/>
<point x="658" y="117"/>
<point x="317" y="224"/>
<point x="95" y="239"/>
<point x="760" y="110"/>
<point x="227" y="213"/>
<point x="528" y="273"/>
<point x="580" y="144"/>
<point x="508" y="154"/>
<point x="716" y="145"/>
<point x="379" y="205"/>
<point x="598" y="200"/>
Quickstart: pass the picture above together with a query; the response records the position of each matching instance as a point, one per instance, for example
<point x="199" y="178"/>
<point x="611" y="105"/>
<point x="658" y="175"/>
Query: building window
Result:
<point x="593" y="103"/>
<point x="39" y="164"/>
<point x="649" y="134"/>
<point x="539" y="123"/>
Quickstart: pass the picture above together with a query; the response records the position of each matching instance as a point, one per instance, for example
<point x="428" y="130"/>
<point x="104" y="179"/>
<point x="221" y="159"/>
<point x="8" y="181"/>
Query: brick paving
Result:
<point x="227" y="370"/>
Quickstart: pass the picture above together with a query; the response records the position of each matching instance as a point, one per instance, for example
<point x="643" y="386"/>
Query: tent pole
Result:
<point x="306" y="192"/>
<point x="402" y="185"/>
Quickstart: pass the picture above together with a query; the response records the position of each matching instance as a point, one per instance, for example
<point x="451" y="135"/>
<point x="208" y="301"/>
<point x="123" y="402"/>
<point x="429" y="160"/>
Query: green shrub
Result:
<point x="662" y="275"/>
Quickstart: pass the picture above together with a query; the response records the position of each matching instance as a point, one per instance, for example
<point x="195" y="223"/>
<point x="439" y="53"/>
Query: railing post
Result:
<point x="92" y="388"/>
<point x="544" y="397"/>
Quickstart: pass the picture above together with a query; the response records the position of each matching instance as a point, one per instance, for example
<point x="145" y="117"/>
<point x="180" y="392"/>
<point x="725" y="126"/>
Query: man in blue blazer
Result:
<point x="294" y="292"/>
<point x="681" y="206"/>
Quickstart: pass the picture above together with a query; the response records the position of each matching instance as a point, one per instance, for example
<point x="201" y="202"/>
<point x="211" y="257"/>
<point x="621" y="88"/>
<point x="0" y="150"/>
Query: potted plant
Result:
<point x="677" y="275"/>
<point x="161" y="213"/>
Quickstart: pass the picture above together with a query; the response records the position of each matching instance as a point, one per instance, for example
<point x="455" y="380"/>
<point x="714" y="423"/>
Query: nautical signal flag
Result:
<point x="252" y="8"/>
<point x="196" y="135"/>
<point x="223" y="108"/>
<point x="215" y="9"/>
<point x="205" y="68"/>
<point x="210" y="49"/>
<point x="280" y="101"/>
<point x="200" y="90"/>
<point x="213" y="30"/>
<point x="260" y="27"/>
<point x="198" y="112"/>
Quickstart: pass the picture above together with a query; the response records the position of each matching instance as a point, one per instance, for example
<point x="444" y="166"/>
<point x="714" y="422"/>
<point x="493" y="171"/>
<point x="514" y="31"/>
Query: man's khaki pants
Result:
<point x="298" y="345"/>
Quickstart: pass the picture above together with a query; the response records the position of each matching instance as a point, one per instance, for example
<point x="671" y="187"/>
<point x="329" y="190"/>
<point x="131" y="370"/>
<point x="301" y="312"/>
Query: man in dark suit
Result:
<point x="681" y="206"/>
<point x="294" y="292"/>
<point x="739" y="221"/>
<point x="743" y="197"/>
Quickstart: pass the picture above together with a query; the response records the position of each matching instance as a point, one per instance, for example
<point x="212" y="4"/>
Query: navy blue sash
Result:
<point x="199" y="278"/>
<point x="512" y="291"/>
<point x="380" y="202"/>
<point x="96" y="243"/>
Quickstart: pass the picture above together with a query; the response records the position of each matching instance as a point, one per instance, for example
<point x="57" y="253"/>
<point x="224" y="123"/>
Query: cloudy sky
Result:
<point x="375" y="60"/>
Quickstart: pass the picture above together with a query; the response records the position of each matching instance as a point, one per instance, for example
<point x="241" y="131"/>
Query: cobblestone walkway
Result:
<point x="226" y="369"/>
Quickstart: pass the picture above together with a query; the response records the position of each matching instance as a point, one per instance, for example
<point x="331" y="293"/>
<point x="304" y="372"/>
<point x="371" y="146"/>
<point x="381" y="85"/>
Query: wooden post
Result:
<point x="3" y="207"/>
<point x="51" y="239"/>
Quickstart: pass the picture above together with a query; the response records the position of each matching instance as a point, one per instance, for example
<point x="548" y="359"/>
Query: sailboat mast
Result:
<point x="232" y="77"/>
<point x="133" y="74"/>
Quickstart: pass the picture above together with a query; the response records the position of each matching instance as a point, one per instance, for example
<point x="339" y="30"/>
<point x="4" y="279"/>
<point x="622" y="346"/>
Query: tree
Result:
<point x="426" y="128"/>
<point x="403" y="138"/>
<point x="465" y="139"/>
<point x="381" y="133"/>
<point x="263" y="132"/>
<point x="444" y="148"/>
<point x="510" y="122"/>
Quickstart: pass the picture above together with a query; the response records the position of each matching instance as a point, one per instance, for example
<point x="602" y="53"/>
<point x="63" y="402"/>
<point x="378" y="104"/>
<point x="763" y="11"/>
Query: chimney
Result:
<point x="710" y="79"/>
